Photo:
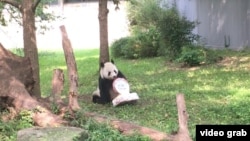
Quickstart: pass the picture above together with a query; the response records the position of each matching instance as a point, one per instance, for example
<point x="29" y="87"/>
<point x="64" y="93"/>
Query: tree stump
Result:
<point x="16" y="80"/>
<point x="57" y="85"/>
<point x="72" y="70"/>
<point x="16" y="86"/>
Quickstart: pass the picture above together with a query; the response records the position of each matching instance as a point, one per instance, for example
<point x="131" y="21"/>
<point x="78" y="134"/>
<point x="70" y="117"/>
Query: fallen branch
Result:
<point x="183" y="133"/>
<point x="129" y="128"/>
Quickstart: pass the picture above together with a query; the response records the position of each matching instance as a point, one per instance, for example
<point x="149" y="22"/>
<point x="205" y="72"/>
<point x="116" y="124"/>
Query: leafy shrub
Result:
<point x="212" y="56"/>
<point x="143" y="13"/>
<point x="148" y="42"/>
<point x="141" y="44"/>
<point x="156" y="30"/>
<point x="125" y="47"/>
<point x="192" y="55"/>
<point x="118" y="45"/>
<point x="176" y="32"/>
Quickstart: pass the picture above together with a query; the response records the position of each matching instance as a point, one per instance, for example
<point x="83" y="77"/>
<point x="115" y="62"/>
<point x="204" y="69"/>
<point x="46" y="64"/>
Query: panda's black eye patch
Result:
<point x="109" y="73"/>
<point x="115" y="71"/>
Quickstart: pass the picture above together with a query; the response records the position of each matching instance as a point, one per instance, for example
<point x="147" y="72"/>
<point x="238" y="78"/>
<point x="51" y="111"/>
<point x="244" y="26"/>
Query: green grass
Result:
<point x="214" y="94"/>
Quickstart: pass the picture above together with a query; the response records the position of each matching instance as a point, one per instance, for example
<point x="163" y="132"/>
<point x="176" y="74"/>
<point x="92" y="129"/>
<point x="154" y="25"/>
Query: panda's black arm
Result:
<point x="104" y="91"/>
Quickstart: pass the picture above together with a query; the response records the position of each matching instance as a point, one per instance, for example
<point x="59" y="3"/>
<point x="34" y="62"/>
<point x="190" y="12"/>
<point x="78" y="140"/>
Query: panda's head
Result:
<point x="108" y="70"/>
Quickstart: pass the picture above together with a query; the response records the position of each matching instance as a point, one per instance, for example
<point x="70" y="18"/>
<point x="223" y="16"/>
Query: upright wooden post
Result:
<point x="183" y="133"/>
<point x="72" y="70"/>
<point x="57" y="85"/>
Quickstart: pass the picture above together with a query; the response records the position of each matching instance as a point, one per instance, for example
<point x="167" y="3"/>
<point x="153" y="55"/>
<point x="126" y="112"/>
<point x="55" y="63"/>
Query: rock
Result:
<point x="52" y="134"/>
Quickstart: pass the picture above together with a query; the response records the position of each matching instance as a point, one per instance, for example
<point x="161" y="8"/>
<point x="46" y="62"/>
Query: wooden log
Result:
<point x="128" y="128"/>
<point x="72" y="70"/>
<point x="183" y="133"/>
<point x="57" y="85"/>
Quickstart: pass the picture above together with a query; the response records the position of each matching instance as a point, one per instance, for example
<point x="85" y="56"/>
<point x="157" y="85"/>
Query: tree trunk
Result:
<point x="16" y="84"/>
<point x="29" y="39"/>
<point x="72" y="70"/>
<point x="103" y="25"/>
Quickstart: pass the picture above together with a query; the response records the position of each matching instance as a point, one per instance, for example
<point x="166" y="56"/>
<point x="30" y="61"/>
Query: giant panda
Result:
<point x="105" y="92"/>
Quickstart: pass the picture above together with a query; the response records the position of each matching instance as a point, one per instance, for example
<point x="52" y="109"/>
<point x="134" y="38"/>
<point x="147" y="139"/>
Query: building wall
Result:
<point x="221" y="21"/>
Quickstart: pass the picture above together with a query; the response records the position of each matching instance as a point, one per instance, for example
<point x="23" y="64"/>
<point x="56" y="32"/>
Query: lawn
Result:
<point x="214" y="94"/>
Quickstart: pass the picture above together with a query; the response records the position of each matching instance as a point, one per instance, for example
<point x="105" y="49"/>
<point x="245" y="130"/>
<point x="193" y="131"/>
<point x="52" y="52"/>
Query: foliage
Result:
<point x="176" y="33"/>
<point x="142" y="44"/>
<point x="18" y="51"/>
<point x="157" y="30"/>
<point x="192" y="55"/>
<point x="54" y="108"/>
<point x="8" y="130"/>
<point x="10" y="14"/>
<point x="195" y="55"/>
<point x="118" y="46"/>
<point x="100" y="131"/>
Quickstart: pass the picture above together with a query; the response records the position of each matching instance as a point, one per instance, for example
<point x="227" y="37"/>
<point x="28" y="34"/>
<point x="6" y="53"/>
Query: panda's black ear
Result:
<point x="112" y="61"/>
<point x="102" y="64"/>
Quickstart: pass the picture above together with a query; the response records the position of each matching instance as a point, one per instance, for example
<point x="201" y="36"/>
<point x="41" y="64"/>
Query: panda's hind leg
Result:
<point x="96" y="97"/>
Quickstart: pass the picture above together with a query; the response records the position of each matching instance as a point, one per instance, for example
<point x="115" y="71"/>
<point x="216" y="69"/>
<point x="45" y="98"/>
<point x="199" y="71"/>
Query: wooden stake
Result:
<point x="72" y="70"/>
<point x="57" y="85"/>
<point x="183" y="133"/>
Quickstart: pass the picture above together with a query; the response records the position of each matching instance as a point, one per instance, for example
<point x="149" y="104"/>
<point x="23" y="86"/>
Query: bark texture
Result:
<point x="129" y="128"/>
<point x="103" y="25"/>
<point x="29" y="39"/>
<point x="16" y="85"/>
<point x="72" y="70"/>
<point x="57" y="85"/>
<point x="183" y="133"/>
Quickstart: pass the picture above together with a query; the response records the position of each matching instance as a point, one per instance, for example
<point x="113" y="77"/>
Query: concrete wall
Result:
<point x="82" y="25"/>
<point x="219" y="19"/>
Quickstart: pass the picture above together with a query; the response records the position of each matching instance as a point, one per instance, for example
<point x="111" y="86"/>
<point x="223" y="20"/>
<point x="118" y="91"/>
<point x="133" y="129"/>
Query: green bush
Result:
<point x="192" y="55"/>
<point x="142" y="14"/>
<point x="141" y="44"/>
<point x="155" y="31"/>
<point x="118" y="45"/>
<point x="176" y="32"/>
<point x="148" y="42"/>
<point x="125" y="47"/>
<point x="212" y="56"/>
